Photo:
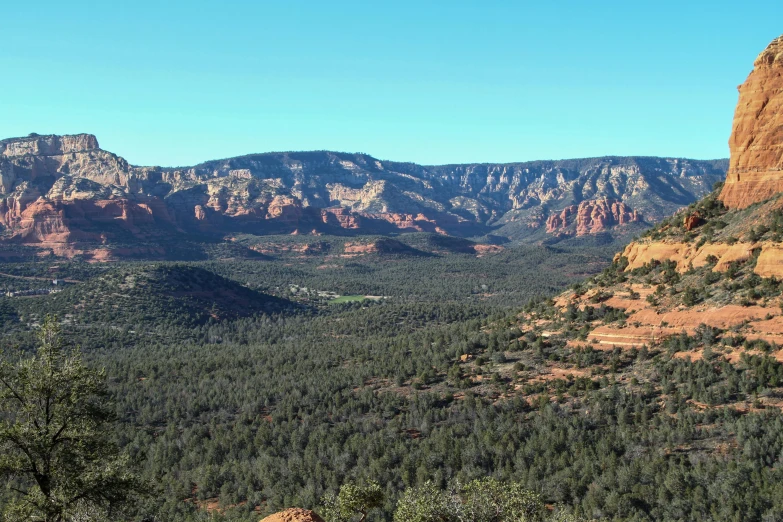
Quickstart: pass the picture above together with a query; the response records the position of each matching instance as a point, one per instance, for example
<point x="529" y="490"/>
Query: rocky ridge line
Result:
<point x="65" y="195"/>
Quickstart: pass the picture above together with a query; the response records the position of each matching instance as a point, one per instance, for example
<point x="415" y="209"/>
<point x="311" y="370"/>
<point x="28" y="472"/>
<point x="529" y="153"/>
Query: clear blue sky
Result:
<point x="176" y="83"/>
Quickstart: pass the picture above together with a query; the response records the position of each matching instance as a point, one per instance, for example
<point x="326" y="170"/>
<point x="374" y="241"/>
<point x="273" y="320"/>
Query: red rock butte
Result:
<point x="592" y="216"/>
<point x="756" y="166"/>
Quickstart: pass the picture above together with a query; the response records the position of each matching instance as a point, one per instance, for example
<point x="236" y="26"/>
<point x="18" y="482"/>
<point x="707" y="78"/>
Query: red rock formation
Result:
<point x="11" y="209"/>
<point x="692" y="221"/>
<point x="591" y="216"/>
<point x="345" y="218"/>
<point x="44" y="222"/>
<point x="285" y="209"/>
<point x="50" y="221"/>
<point x="410" y="222"/>
<point x="341" y="217"/>
<point x="756" y="143"/>
<point x="403" y="221"/>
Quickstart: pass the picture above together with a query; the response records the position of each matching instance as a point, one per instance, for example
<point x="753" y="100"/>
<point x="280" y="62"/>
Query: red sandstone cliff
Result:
<point x="755" y="175"/>
<point x="756" y="143"/>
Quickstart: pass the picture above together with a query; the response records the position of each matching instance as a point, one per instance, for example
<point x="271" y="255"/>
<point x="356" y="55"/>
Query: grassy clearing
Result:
<point x="347" y="299"/>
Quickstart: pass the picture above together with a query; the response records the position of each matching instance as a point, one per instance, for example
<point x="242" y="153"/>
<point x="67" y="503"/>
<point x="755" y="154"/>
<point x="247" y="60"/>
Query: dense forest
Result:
<point x="427" y="379"/>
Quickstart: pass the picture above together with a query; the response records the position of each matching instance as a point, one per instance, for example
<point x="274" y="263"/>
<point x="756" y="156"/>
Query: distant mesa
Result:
<point x="66" y="196"/>
<point x="756" y="166"/>
<point x="51" y="145"/>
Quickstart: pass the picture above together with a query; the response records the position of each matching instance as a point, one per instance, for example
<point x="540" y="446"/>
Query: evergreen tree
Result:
<point x="54" y="448"/>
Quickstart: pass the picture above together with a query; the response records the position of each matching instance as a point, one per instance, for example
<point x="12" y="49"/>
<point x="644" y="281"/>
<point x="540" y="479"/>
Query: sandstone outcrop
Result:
<point x="286" y="209"/>
<point x="770" y="261"/>
<point x="294" y="515"/>
<point x="768" y="264"/>
<point x="692" y="221"/>
<point x="746" y="243"/>
<point x="340" y="217"/>
<point x="756" y="143"/>
<point x="592" y="217"/>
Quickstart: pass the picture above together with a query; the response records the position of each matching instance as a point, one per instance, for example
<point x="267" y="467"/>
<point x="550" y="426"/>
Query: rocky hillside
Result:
<point x="66" y="195"/>
<point x="689" y="317"/>
<point x="719" y="262"/>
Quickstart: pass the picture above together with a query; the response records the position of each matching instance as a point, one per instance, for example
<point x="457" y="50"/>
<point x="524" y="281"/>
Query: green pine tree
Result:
<point x="55" y="448"/>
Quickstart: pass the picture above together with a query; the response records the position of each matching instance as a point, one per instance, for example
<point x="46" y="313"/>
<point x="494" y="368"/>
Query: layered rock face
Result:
<point x="59" y="191"/>
<point x="48" y="145"/>
<point x="62" y="189"/>
<point x="591" y="217"/>
<point x="756" y="143"/>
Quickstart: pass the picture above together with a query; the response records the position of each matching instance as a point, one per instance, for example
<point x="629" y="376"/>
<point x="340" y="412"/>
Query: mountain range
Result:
<point x="67" y="196"/>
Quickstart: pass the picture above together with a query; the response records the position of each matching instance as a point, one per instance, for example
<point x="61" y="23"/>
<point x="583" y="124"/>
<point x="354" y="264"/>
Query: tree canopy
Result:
<point x="54" y="444"/>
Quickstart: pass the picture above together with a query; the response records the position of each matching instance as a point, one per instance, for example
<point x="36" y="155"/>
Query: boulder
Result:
<point x="294" y="515"/>
<point x="692" y="221"/>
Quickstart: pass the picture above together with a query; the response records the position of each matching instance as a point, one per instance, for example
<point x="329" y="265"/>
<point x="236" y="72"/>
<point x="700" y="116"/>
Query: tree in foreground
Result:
<point x="55" y="449"/>
<point x="427" y="503"/>
<point x="489" y="500"/>
<point x="352" y="502"/>
<point x="482" y="500"/>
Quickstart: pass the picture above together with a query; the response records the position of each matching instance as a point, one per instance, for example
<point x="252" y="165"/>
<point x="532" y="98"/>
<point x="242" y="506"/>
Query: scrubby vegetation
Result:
<point x="464" y="373"/>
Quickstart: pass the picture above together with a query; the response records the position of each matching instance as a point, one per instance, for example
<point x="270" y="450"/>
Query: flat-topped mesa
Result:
<point x="51" y="145"/>
<point x="756" y="166"/>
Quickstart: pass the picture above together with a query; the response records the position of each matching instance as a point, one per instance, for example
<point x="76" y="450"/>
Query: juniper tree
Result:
<point x="55" y="449"/>
<point x="352" y="502"/>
